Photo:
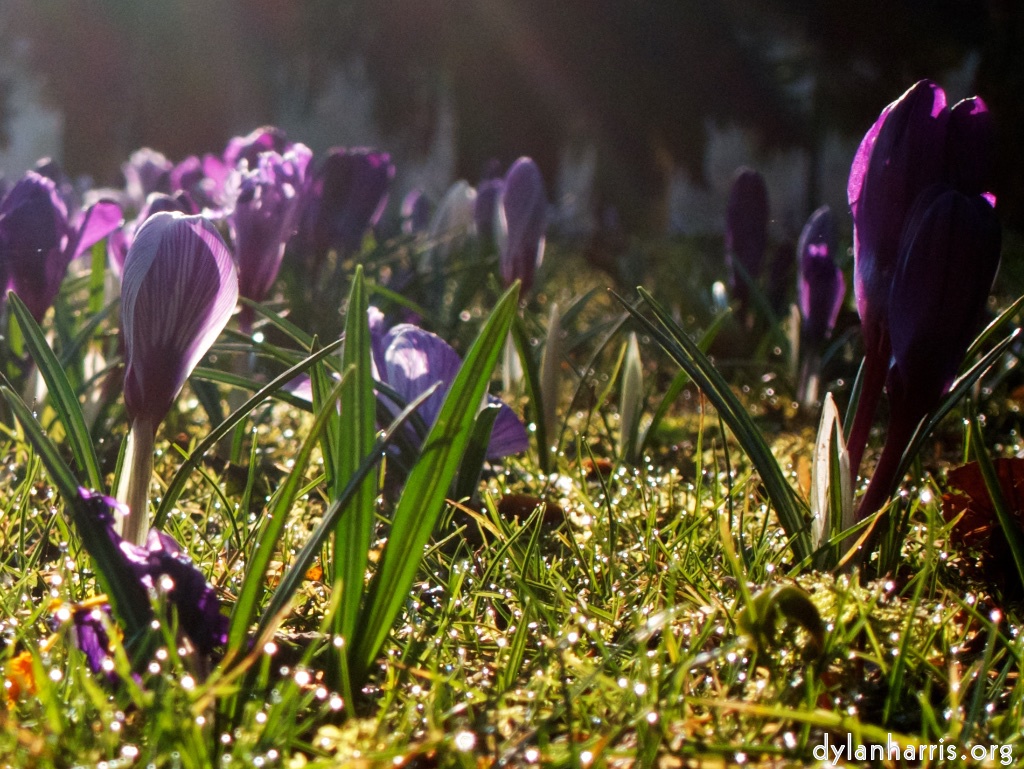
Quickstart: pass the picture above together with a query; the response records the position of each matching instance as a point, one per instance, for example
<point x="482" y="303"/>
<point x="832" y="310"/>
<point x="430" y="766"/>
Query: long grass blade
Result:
<point x="254" y="582"/>
<point x="62" y="395"/>
<point x="177" y="484"/>
<point x="1010" y="527"/>
<point x="687" y="354"/>
<point x="422" y="499"/>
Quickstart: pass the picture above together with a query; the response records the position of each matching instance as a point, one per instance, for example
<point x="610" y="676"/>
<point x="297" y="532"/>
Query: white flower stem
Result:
<point x="133" y="489"/>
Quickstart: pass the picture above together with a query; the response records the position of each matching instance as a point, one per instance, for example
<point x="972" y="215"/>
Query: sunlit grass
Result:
<point x="587" y="616"/>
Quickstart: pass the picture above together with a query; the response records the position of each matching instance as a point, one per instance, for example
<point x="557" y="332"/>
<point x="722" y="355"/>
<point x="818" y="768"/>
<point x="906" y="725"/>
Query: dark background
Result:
<point x="639" y="78"/>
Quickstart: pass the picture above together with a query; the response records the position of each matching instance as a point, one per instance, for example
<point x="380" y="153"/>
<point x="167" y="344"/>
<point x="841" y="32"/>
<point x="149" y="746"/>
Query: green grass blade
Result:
<point x="332" y="518"/>
<point x="357" y="431"/>
<point x="62" y="395"/>
<point x="127" y="596"/>
<point x="679" y="382"/>
<point x="177" y="484"/>
<point x="1007" y="522"/>
<point x="254" y="582"/>
<point x="687" y="354"/>
<point x="476" y="453"/>
<point x="531" y="377"/>
<point x="423" y="497"/>
<point x="322" y="386"/>
<point x="246" y="383"/>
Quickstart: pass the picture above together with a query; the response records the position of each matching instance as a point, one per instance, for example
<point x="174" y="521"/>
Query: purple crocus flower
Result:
<point x="38" y="242"/>
<point x="822" y="286"/>
<point x="410" y="360"/>
<point x="254" y="144"/>
<point x="522" y="222"/>
<point x="147" y="171"/>
<point x="415" y="212"/>
<point x="91" y="637"/>
<point x="120" y="240"/>
<point x="821" y="289"/>
<point x="265" y="216"/>
<point x="488" y="196"/>
<point x="948" y="259"/>
<point x="159" y="565"/>
<point x="746" y="230"/>
<point x="346" y="196"/>
<point x="178" y="290"/>
<point x="916" y="142"/>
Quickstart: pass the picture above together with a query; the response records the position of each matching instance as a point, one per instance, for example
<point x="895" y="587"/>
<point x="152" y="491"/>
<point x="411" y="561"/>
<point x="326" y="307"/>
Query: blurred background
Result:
<point x="638" y="111"/>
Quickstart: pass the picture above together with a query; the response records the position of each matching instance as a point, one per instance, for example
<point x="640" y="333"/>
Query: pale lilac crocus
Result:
<point x="410" y="360"/>
<point x="485" y="212"/>
<point x="265" y="215"/>
<point x="522" y="223"/>
<point x="178" y="290"/>
<point x="453" y="223"/>
<point x="38" y="240"/>
<point x="415" y="212"/>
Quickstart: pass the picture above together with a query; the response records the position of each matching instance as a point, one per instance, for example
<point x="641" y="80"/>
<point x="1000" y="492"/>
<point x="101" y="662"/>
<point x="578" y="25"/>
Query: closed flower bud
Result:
<point x="522" y="223"/>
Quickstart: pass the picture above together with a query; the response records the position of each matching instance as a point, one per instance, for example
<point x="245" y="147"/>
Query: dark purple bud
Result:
<point x="488" y="196"/>
<point x="746" y="228"/>
<point x="948" y="260"/>
<point x="347" y="195"/>
<point x="159" y="565"/>
<point x="265" y="216"/>
<point x="252" y="145"/>
<point x="146" y="171"/>
<point x="178" y="290"/>
<point x="971" y="147"/>
<point x="522" y="222"/>
<point x="822" y="286"/>
<point x="902" y="154"/>
<point x="33" y="242"/>
<point x="416" y="211"/>
<point x="411" y="360"/>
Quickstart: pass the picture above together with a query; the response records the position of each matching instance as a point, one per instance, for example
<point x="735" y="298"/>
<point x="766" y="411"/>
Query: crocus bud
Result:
<point x="746" y="229"/>
<point x="902" y="153"/>
<point x="178" y="290"/>
<point x="37" y="242"/>
<point x="488" y="195"/>
<point x="411" y="360"/>
<point x="120" y="240"/>
<point x="415" y="212"/>
<point x="822" y="286"/>
<point x="266" y="215"/>
<point x="252" y="145"/>
<point x="948" y="260"/>
<point x="970" y="147"/>
<point x="452" y="223"/>
<point x="146" y="171"/>
<point x="522" y="222"/>
<point x="348" y="194"/>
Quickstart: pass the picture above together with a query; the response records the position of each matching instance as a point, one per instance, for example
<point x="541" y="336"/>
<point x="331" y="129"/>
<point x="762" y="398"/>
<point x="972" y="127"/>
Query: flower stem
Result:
<point x="134" y="488"/>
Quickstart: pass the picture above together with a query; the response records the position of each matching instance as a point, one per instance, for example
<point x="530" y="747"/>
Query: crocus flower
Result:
<point x="452" y="224"/>
<point x="120" y="240"/>
<point x="488" y="196"/>
<point x="948" y="260"/>
<point x="160" y="565"/>
<point x="248" y="148"/>
<point x="415" y="212"/>
<point x="38" y="242"/>
<point x="177" y="293"/>
<point x="916" y="142"/>
<point x="746" y="229"/>
<point x="411" y="360"/>
<point x="346" y="196"/>
<point x="522" y="222"/>
<point x="147" y="171"/>
<point x="265" y="216"/>
<point x="822" y="290"/>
